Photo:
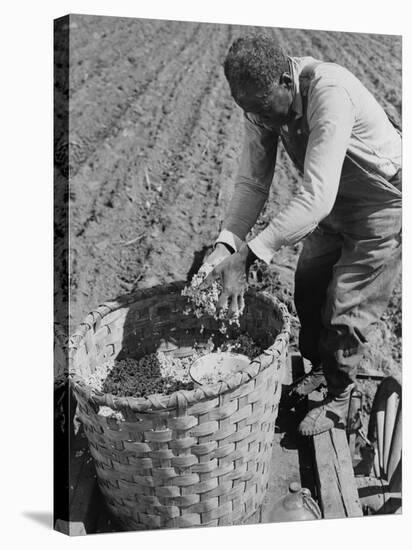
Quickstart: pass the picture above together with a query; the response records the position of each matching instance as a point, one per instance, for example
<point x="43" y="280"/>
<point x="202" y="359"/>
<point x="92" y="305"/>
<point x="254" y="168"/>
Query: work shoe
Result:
<point x="332" y="412"/>
<point x="307" y="384"/>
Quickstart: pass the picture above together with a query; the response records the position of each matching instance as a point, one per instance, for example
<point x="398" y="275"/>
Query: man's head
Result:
<point x="258" y="73"/>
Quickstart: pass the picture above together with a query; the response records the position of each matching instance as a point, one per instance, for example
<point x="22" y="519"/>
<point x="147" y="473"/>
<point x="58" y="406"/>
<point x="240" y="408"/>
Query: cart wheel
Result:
<point x="385" y="432"/>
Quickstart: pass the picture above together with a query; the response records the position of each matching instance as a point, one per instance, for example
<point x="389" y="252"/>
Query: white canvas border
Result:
<point x="26" y="278"/>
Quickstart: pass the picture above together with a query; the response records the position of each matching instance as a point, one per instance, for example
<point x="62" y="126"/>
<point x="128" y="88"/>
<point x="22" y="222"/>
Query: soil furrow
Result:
<point x="96" y="68"/>
<point x="131" y="136"/>
<point x="148" y="124"/>
<point x="102" y="125"/>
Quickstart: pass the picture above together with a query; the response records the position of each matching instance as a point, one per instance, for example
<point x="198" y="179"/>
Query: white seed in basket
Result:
<point x="204" y="300"/>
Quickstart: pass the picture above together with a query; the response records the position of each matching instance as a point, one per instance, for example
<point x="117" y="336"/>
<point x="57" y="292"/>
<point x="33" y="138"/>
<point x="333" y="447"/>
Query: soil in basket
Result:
<point x="161" y="373"/>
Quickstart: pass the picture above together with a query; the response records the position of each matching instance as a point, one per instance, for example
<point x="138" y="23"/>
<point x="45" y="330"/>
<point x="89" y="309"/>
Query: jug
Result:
<point x="297" y="505"/>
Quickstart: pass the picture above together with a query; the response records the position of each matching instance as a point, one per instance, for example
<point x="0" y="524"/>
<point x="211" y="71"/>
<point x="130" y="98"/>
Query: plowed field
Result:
<point x="154" y="145"/>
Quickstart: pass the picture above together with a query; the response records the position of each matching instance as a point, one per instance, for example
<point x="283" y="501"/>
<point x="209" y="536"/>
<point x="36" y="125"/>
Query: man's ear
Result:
<point x="286" y="80"/>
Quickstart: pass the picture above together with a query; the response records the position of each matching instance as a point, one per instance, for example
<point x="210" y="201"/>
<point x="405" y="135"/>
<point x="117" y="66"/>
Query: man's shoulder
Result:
<point x="318" y="77"/>
<point x="328" y="69"/>
<point x="310" y="68"/>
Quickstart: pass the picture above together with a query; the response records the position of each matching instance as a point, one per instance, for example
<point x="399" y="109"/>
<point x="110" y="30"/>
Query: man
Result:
<point x="348" y="208"/>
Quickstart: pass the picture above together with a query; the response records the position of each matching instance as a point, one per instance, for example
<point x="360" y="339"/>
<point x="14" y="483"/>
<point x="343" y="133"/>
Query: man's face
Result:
<point x="274" y="110"/>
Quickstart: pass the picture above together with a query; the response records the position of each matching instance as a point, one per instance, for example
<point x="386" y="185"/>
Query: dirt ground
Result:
<point x="154" y="144"/>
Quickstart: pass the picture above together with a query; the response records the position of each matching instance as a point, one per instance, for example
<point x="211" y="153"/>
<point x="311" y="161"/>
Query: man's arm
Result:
<point x="252" y="184"/>
<point x="331" y="117"/>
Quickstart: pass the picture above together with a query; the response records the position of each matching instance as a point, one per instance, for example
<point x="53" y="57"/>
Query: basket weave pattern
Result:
<point x="191" y="458"/>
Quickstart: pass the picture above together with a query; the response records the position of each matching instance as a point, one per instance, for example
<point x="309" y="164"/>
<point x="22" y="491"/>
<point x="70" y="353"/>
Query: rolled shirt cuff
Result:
<point x="229" y="238"/>
<point x="259" y="249"/>
<point x="271" y="239"/>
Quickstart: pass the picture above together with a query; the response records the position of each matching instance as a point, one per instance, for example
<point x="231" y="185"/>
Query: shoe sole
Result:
<point x="318" y="432"/>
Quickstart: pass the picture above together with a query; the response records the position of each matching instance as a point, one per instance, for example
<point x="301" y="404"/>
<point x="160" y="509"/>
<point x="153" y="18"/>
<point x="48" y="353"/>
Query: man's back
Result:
<point x="374" y="142"/>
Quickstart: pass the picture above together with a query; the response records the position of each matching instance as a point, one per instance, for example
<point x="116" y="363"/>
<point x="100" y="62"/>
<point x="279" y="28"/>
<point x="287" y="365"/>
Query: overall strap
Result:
<point x="306" y="77"/>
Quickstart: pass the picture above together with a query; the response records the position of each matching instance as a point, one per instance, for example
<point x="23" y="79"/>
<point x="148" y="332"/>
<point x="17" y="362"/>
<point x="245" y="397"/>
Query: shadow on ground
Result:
<point x="42" y="518"/>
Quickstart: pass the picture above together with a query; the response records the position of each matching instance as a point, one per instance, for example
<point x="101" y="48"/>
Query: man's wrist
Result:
<point x="259" y="248"/>
<point x="225" y="245"/>
<point x="248" y="255"/>
<point x="251" y="257"/>
<point x="227" y="237"/>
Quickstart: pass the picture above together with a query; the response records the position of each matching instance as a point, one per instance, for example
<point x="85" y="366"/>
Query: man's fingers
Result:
<point x="241" y="303"/>
<point x="233" y="308"/>
<point x="222" y="302"/>
<point x="231" y="301"/>
<point x="212" y="276"/>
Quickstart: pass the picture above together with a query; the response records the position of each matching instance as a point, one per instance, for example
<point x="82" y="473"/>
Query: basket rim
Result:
<point x="179" y="399"/>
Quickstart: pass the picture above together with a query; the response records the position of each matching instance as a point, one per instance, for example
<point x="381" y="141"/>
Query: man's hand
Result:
<point x="233" y="272"/>
<point x="220" y="253"/>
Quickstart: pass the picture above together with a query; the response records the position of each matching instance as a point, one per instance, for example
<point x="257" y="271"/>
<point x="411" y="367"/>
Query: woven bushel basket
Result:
<point x="191" y="458"/>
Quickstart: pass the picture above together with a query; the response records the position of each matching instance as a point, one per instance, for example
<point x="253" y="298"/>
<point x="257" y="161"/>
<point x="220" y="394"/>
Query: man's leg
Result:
<point x="357" y="296"/>
<point x="321" y="250"/>
<point x="362" y="283"/>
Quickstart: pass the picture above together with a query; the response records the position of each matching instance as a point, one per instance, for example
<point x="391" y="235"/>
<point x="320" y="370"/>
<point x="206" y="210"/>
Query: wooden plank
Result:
<point x="346" y="475"/>
<point x="336" y="481"/>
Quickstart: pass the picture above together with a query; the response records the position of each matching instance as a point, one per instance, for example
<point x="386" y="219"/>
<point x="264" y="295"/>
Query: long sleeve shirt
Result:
<point x="335" y="116"/>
